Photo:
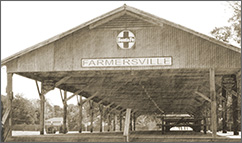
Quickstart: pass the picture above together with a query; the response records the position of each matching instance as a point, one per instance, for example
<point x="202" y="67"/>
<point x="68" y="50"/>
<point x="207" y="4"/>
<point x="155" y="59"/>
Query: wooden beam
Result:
<point x="46" y="86"/>
<point x="109" y="105"/>
<point x="114" y="108"/>
<point x="203" y="96"/>
<point x="134" y="121"/>
<point x="109" y="120"/>
<point x="91" y="108"/>
<point x="105" y="20"/>
<point x="61" y="97"/>
<point x="62" y="81"/>
<point x="163" y="125"/>
<point x="80" y="114"/>
<point x="126" y="125"/>
<point x="65" y="112"/>
<point x="101" y="117"/>
<point x="100" y="102"/>
<point x="10" y="99"/>
<point x="77" y="92"/>
<point x="213" y="102"/>
<point x="131" y="122"/>
<point x="89" y="98"/>
<point x="38" y="88"/>
<point x="114" y="122"/>
<point x="224" y="110"/>
<point x="42" y="112"/>
<point x="120" y="120"/>
<point x="235" y="107"/>
<point x="229" y="91"/>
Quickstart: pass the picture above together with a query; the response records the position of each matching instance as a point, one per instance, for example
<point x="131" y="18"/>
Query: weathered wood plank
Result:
<point x="213" y="102"/>
<point x="80" y="114"/>
<point x="65" y="112"/>
<point x="224" y="110"/>
<point x="38" y="88"/>
<point x="126" y="125"/>
<point x="42" y="112"/>
<point x="101" y="117"/>
<point x="10" y="99"/>
<point x="77" y="92"/>
<point x="203" y="96"/>
<point x="62" y="81"/>
<point x="89" y="98"/>
<point x="91" y="103"/>
<point x="120" y="120"/>
<point x="235" y="108"/>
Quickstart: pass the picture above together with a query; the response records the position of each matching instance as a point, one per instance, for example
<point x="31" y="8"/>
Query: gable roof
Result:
<point x="114" y="14"/>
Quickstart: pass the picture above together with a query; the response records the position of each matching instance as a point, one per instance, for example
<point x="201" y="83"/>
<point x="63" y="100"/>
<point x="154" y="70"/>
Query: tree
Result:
<point x="233" y="31"/>
<point x="23" y="111"/>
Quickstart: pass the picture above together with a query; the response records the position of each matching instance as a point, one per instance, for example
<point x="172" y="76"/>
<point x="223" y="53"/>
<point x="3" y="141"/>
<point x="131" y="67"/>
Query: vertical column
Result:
<point x="131" y="117"/>
<point x="120" y="120"/>
<point x="80" y="114"/>
<point x="134" y="121"/>
<point x="10" y="99"/>
<point x="163" y="126"/>
<point x="42" y="112"/>
<point x="213" y="102"/>
<point x="91" y="110"/>
<point x="114" y="122"/>
<point x="224" y="111"/>
<point x="204" y="125"/>
<point x="65" y="112"/>
<point x="101" y="117"/>
<point x="109" y="121"/>
<point x="126" y="125"/>
<point x="235" y="106"/>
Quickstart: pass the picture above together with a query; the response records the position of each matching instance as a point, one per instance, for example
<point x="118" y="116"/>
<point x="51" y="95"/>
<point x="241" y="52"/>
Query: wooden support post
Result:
<point x="46" y="86"/>
<point x="120" y="120"/>
<point x="65" y="112"/>
<point x="224" y="111"/>
<point x="213" y="102"/>
<point x="205" y="125"/>
<point x="109" y="120"/>
<point x="10" y="99"/>
<point x="126" y="125"/>
<point x="101" y="117"/>
<point x="163" y="126"/>
<point x="235" y="107"/>
<point x="114" y="121"/>
<point x="131" y="119"/>
<point x="91" y="110"/>
<point x="42" y="112"/>
<point x="134" y="121"/>
<point x="80" y="114"/>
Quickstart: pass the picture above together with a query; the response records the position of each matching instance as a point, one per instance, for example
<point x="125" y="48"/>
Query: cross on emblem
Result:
<point x="126" y="39"/>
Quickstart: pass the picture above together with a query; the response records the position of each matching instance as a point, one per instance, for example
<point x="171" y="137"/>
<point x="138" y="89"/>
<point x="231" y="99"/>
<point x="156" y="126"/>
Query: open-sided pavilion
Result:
<point x="129" y="61"/>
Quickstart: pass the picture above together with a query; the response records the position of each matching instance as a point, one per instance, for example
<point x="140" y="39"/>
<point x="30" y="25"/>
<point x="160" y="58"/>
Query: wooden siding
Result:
<point x="125" y="21"/>
<point x="186" y="50"/>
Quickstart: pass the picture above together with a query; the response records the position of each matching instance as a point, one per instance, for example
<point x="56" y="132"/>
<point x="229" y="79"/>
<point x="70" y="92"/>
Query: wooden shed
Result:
<point x="129" y="60"/>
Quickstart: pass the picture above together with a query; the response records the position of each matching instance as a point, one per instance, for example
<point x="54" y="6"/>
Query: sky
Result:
<point x="24" y="24"/>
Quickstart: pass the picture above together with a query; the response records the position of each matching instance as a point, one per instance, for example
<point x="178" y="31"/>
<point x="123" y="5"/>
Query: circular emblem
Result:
<point x="126" y="39"/>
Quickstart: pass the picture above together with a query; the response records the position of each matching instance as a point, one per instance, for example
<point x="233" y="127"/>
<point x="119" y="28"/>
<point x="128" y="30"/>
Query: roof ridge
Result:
<point x="117" y="10"/>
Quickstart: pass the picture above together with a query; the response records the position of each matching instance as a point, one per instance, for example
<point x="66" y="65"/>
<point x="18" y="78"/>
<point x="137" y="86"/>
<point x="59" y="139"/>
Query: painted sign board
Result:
<point x="126" y="39"/>
<point x="127" y="62"/>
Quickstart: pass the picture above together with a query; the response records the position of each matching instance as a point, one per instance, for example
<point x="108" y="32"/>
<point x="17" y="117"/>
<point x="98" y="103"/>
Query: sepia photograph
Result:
<point x="121" y="71"/>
